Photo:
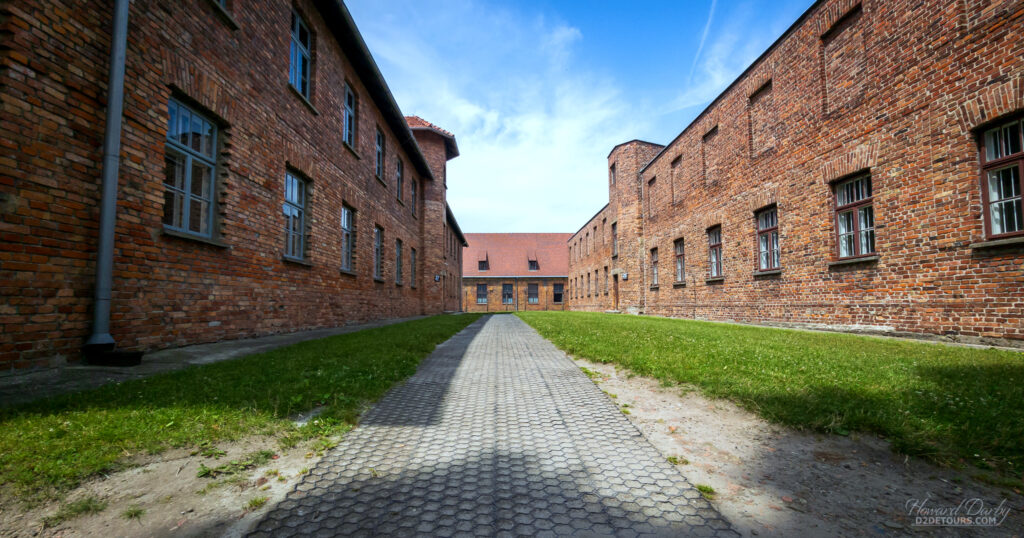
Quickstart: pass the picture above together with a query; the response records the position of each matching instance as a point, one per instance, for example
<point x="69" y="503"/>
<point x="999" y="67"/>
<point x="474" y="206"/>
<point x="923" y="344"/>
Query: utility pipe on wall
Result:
<point x="100" y="336"/>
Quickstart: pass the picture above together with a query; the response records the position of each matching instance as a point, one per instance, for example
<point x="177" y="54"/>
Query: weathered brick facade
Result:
<point x="232" y="67"/>
<point x="897" y="92"/>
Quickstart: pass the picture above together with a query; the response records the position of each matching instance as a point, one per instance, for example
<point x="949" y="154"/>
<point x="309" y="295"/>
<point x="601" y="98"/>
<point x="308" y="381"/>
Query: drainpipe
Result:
<point x="100" y="337"/>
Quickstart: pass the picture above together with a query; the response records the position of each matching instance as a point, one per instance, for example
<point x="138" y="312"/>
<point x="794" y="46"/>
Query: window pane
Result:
<point x="202" y="177"/>
<point x="174" y="169"/>
<point x="173" y="208"/>
<point x="845" y="222"/>
<point x="172" y="120"/>
<point x="184" y="123"/>
<point x="199" y="216"/>
<point x="197" y="132"/>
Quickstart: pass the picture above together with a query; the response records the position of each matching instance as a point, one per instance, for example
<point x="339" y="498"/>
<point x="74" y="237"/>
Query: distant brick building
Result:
<point x="267" y="182"/>
<point x="514" y="271"/>
<point x="863" y="174"/>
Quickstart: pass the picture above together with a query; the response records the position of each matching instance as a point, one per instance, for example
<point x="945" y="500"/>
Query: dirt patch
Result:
<point x="166" y="497"/>
<point x="770" y="480"/>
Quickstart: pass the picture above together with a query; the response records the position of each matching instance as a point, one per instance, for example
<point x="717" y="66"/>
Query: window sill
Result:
<point x="197" y="238"/>
<point x="378" y="280"/>
<point x="296" y="261"/>
<point x="352" y="150"/>
<point x="997" y="243"/>
<point x="655" y="287"/>
<point x="768" y="272"/>
<point x="679" y="284"/>
<point x="400" y="202"/>
<point x="347" y="272"/>
<point x="224" y="15"/>
<point x="304" y="99"/>
<point x="853" y="261"/>
<point x="380" y="180"/>
<point x="714" y="280"/>
<point x="398" y="284"/>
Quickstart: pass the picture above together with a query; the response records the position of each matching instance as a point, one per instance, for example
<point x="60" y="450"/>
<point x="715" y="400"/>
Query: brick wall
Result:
<point x="854" y="88"/>
<point x="168" y="290"/>
<point x="520" y="290"/>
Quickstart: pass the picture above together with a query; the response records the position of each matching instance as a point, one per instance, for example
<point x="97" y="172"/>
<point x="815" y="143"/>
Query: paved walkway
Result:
<point x="498" y="433"/>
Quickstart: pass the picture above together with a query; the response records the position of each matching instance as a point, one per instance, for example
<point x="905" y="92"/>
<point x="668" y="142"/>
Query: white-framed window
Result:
<point x="348" y="237"/>
<point x="295" y="205"/>
<point x="298" y="71"/>
<point x="189" y="165"/>
<point x="768" y="239"/>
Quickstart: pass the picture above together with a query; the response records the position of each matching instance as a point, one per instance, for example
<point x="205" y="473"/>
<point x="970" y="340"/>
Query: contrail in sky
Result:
<point x="703" y="38"/>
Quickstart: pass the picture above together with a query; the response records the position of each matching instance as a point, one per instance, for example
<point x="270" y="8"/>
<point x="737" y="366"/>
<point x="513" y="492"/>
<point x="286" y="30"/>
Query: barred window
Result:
<point x="189" y="165"/>
<point x="507" y="296"/>
<point x="531" y="294"/>
<point x="481" y="294"/>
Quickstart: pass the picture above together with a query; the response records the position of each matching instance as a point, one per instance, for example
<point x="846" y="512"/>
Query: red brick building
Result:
<point x="267" y="180"/>
<point x="511" y="272"/>
<point x="864" y="173"/>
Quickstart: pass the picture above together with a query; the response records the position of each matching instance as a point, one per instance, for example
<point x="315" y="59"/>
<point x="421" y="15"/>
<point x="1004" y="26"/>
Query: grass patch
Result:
<point x="233" y="467"/>
<point x="945" y="403"/>
<point x="707" y="491"/>
<point x="678" y="460"/>
<point x="133" y="512"/>
<point x="81" y="507"/>
<point x="50" y="446"/>
<point x="256" y="503"/>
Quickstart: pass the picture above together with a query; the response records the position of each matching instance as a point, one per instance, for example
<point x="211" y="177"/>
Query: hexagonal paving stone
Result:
<point x="497" y="434"/>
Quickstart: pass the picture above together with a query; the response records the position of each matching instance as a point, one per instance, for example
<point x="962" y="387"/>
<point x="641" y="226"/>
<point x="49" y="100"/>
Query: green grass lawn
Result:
<point x="941" y="402"/>
<point x="49" y="446"/>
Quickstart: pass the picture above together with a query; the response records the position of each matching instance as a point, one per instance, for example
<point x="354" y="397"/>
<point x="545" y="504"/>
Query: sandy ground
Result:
<point x="167" y="488"/>
<point x="770" y="480"/>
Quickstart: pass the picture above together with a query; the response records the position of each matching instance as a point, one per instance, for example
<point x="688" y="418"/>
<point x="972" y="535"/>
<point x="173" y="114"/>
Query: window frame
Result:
<point x="398" y="262"/>
<point x="378" y="253"/>
<point x="716" y="268"/>
<point x="348" y="238"/>
<point x="412" y="267"/>
<point x="399" y="178"/>
<point x="481" y="299"/>
<point x="304" y="53"/>
<point x="1008" y="161"/>
<point x="679" y="254"/>
<point x="654" y="267"/>
<point x="190" y="154"/>
<point x="303" y="209"/>
<point x="532" y="293"/>
<point x="380" y="147"/>
<point x="532" y="265"/>
<point x="854" y="207"/>
<point x="615" y="240"/>
<point x="413" y="193"/>
<point x="509" y="297"/>
<point x="350" y="114"/>
<point x="483" y="265"/>
<point x="772" y="233"/>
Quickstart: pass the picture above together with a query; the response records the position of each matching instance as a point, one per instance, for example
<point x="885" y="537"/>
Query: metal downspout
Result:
<point x="100" y="336"/>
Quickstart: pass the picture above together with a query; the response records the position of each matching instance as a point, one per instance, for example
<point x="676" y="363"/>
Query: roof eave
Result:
<point x="347" y="33"/>
<point x="454" y="224"/>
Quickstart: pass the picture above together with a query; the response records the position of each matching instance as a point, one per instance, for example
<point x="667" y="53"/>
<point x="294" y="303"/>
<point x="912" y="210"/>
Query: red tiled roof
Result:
<point x="509" y="254"/>
<point x="418" y="123"/>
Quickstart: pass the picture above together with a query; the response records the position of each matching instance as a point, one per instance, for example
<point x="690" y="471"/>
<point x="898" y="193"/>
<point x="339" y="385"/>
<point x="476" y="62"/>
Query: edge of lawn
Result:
<point x="952" y="405"/>
<point x="50" y="446"/>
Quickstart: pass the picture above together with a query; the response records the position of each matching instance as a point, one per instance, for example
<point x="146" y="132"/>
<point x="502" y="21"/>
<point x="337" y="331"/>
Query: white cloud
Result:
<point x="533" y="129"/>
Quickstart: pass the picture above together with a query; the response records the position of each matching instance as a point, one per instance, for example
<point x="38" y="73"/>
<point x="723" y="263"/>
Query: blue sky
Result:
<point x="537" y="93"/>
